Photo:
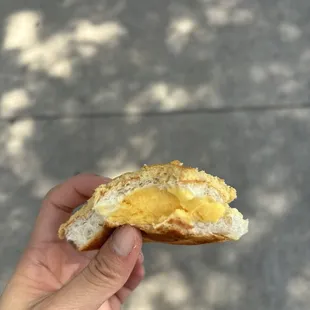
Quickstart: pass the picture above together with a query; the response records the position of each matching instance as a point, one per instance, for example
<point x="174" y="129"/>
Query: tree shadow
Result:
<point x="103" y="56"/>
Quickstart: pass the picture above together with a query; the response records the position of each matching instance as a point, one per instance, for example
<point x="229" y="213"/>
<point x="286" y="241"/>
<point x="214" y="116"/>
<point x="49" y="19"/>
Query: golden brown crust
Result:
<point x="168" y="172"/>
<point x="174" y="233"/>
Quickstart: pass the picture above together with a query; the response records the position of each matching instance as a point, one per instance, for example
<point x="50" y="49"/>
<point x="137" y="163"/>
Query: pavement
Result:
<point x="106" y="86"/>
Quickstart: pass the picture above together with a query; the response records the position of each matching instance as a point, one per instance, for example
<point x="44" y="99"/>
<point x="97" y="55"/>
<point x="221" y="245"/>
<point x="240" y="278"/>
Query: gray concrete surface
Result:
<point x="263" y="154"/>
<point x="69" y="65"/>
<point x="109" y="56"/>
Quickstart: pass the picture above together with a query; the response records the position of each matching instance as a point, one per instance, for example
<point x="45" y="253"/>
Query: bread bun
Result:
<point x="88" y="228"/>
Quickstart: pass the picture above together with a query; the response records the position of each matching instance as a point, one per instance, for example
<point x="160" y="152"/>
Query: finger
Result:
<point x="141" y="258"/>
<point x="105" y="275"/>
<point x="61" y="201"/>
<point x="134" y="280"/>
<point x="73" y="191"/>
<point x="136" y="276"/>
<point x="90" y="254"/>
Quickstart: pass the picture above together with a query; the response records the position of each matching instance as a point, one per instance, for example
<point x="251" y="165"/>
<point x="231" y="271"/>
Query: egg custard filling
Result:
<point x="153" y="205"/>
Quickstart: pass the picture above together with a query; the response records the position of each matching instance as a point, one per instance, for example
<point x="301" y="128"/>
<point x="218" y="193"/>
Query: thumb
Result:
<point x="104" y="276"/>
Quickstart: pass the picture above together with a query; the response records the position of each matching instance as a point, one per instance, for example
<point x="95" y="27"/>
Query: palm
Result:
<point x="49" y="263"/>
<point x="58" y="263"/>
<point x="53" y="264"/>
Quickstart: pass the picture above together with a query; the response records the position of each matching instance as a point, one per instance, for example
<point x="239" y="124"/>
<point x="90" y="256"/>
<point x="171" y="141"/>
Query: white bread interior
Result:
<point x="83" y="230"/>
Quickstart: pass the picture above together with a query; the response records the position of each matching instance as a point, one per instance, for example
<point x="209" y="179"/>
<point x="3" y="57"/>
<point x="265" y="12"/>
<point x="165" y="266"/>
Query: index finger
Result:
<point x="59" y="203"/>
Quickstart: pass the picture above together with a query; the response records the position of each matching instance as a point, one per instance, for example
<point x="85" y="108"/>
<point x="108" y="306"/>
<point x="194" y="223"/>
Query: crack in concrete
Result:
<point x="117" y="114"/>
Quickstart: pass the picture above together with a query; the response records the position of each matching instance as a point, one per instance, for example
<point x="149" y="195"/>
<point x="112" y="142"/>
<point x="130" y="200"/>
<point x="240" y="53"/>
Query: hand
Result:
<point x="53" y="275"/>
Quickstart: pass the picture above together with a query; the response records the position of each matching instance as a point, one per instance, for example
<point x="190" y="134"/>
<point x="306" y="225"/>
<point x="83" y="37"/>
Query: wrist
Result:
<point x="17" y="295"/>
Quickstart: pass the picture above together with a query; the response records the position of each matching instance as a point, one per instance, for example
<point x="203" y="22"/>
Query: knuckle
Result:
<point x="102" y="271"/>
<point x="51" y="191"/>
<point x="142" y="273"/>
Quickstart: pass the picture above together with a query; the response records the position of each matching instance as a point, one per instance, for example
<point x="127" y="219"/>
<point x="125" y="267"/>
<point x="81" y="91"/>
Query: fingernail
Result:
<point x="123" y="240"/>
<point x="141" y="258"/>
<point x="105" y="179"/>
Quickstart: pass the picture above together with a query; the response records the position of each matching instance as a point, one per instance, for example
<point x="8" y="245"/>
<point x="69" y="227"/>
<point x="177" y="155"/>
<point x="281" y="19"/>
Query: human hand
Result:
<point x="53" y="275"/>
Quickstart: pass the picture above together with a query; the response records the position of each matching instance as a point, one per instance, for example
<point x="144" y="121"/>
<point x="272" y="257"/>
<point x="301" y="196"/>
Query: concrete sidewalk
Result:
<point x="104" y="86"/>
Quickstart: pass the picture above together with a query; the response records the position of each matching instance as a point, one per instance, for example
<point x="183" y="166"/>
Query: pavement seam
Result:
<point x="198" y="111"/>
